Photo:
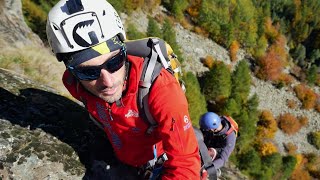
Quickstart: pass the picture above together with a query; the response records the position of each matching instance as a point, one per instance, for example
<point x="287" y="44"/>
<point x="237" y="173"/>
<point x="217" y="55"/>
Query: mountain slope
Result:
<point x="195" y="47"/>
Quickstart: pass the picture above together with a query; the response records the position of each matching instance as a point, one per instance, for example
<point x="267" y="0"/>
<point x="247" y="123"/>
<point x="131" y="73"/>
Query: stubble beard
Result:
<point x="117" y="96"/>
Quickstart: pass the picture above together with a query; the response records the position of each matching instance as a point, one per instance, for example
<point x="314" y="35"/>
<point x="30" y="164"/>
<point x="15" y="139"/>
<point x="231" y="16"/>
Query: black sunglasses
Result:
<point x="93" y="72"/>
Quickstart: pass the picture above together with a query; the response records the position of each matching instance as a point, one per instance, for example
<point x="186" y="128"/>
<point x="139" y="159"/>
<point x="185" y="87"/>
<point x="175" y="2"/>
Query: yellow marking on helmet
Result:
<point x="102" y="48"/>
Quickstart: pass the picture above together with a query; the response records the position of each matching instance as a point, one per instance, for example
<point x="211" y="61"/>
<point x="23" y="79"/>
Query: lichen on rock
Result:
<point x="43" y="134"/>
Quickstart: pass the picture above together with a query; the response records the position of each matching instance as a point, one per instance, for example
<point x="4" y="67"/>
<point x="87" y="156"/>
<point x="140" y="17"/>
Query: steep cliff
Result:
<point x="46" y="136"/>
<point x="14" y="32"/>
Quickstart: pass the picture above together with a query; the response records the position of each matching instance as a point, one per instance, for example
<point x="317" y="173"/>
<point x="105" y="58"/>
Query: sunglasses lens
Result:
<point x="88" y="73"/>
<point x="92" y="73"/>
<point x="116" y="62"/>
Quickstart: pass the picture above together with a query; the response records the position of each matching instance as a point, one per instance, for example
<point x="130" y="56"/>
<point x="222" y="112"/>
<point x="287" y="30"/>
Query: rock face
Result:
<point x="275" y="100"/>
<point x="47" y="136"/>
<point x="14" y="32"/>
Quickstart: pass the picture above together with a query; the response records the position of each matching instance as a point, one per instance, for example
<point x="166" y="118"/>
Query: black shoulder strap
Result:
<point x="204" y="154"/>
<point x="205" y="157"/>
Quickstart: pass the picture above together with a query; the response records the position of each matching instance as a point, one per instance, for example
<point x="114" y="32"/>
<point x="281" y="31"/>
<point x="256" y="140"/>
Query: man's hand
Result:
<point x="204" y="175"/>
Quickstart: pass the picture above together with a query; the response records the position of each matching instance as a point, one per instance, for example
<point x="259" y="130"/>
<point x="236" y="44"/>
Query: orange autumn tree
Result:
<point x="289" y="124"/>
<point x="306" y="96"/>
<point x="271" y="31"/>
<point x="273" y="62"/>
<point x="194" y="7"/>
<point x="267" y="125"/>
<point x="234" y="48"/>
<point x="208" y="61"/>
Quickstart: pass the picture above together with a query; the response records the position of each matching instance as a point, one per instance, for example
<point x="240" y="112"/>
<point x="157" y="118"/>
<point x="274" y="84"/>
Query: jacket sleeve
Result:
<point x="225" y="152"/>
<point x="169" y="107"/>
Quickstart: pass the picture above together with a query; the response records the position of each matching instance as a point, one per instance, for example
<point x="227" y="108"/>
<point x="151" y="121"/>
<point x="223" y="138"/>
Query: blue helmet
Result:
<point x="209" y="121"/>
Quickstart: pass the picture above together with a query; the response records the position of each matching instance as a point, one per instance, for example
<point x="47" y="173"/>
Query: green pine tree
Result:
<point x="241" y="82"/>
<point x="217" y="85"/>
<point x="289" y="163"/>
<point x="312" y="75"/>
<point x="299" y="54"/>
<point x="153" y="29"/>
<point x="133" y="33"/>
<point x="232" y="108"/>
<point x="273" y="161"/>
<point x="178" y="7"/>
<point x="250" y="161"/>
<point x="253" y="114"/>
<point x="169" y="35"/>
<point x="196" y="100"/>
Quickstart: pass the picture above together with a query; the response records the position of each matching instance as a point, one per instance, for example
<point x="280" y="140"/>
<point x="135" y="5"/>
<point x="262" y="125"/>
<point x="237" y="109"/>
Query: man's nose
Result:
<point x="106" y="77"/>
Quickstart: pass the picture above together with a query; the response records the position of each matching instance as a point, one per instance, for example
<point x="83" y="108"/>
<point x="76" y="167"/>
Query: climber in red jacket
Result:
<point x="88" y="36"/>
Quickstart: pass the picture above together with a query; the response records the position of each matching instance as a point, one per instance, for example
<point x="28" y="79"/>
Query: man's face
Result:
<point x="109" y="85"/>
<point x="217" y="129"/>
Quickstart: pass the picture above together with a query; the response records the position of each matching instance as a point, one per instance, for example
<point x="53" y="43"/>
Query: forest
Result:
<point x="276" y="35"/>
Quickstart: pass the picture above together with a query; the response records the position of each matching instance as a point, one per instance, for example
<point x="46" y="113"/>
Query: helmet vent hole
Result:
<point x="55" y="27"/>
<point x="104" y="13"/>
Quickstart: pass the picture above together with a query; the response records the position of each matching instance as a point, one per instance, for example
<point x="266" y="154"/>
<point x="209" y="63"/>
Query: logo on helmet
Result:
<point x="118" y="21"/>
<point x="84" y="33"/>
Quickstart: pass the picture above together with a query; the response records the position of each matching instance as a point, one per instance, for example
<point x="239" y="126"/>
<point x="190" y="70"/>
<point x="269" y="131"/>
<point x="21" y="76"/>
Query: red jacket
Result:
<point x="126" y="130"/>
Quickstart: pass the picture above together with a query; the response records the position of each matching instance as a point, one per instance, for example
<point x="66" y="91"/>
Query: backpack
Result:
<point x="234" y="125"/>
<point x="157" y="54"/>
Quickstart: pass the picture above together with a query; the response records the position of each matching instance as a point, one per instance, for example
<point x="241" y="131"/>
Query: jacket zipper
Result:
<point x="109" y="111"/>
<point x="177" y="134"/>
<point x="172" y="124"/>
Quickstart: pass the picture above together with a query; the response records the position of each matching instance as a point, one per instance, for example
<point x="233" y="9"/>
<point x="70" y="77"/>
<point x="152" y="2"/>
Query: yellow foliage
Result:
<point x="208" y="61"/>
<point x="184" y="23"/>
<point x="270" y="30"/>
<point x="306" y="96"/>
<point x="133" y="4"/>
<point x="297" y="16"/>
<point x="285" y="79"/>
<point x="300" y="174"/>
<point x="201" y="31"/>
<point x="267" y="148"/>
<point x="193" y="9"/>
<point x="33" y="10"/>
<point x="300" y="160"/>
<point x="234" y="47"/>
<point x="267" y="125"/>
<point x="280" y="48"/>
<point x="299" y="171"/>
<point x="313" y="165"/>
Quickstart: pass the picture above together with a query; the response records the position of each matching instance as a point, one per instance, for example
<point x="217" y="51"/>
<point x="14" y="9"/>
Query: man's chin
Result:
<point x="110" y="99"/>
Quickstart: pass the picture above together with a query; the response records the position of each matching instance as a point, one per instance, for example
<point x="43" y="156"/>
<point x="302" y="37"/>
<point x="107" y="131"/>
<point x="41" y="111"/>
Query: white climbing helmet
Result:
<point x="75" y="25"/>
